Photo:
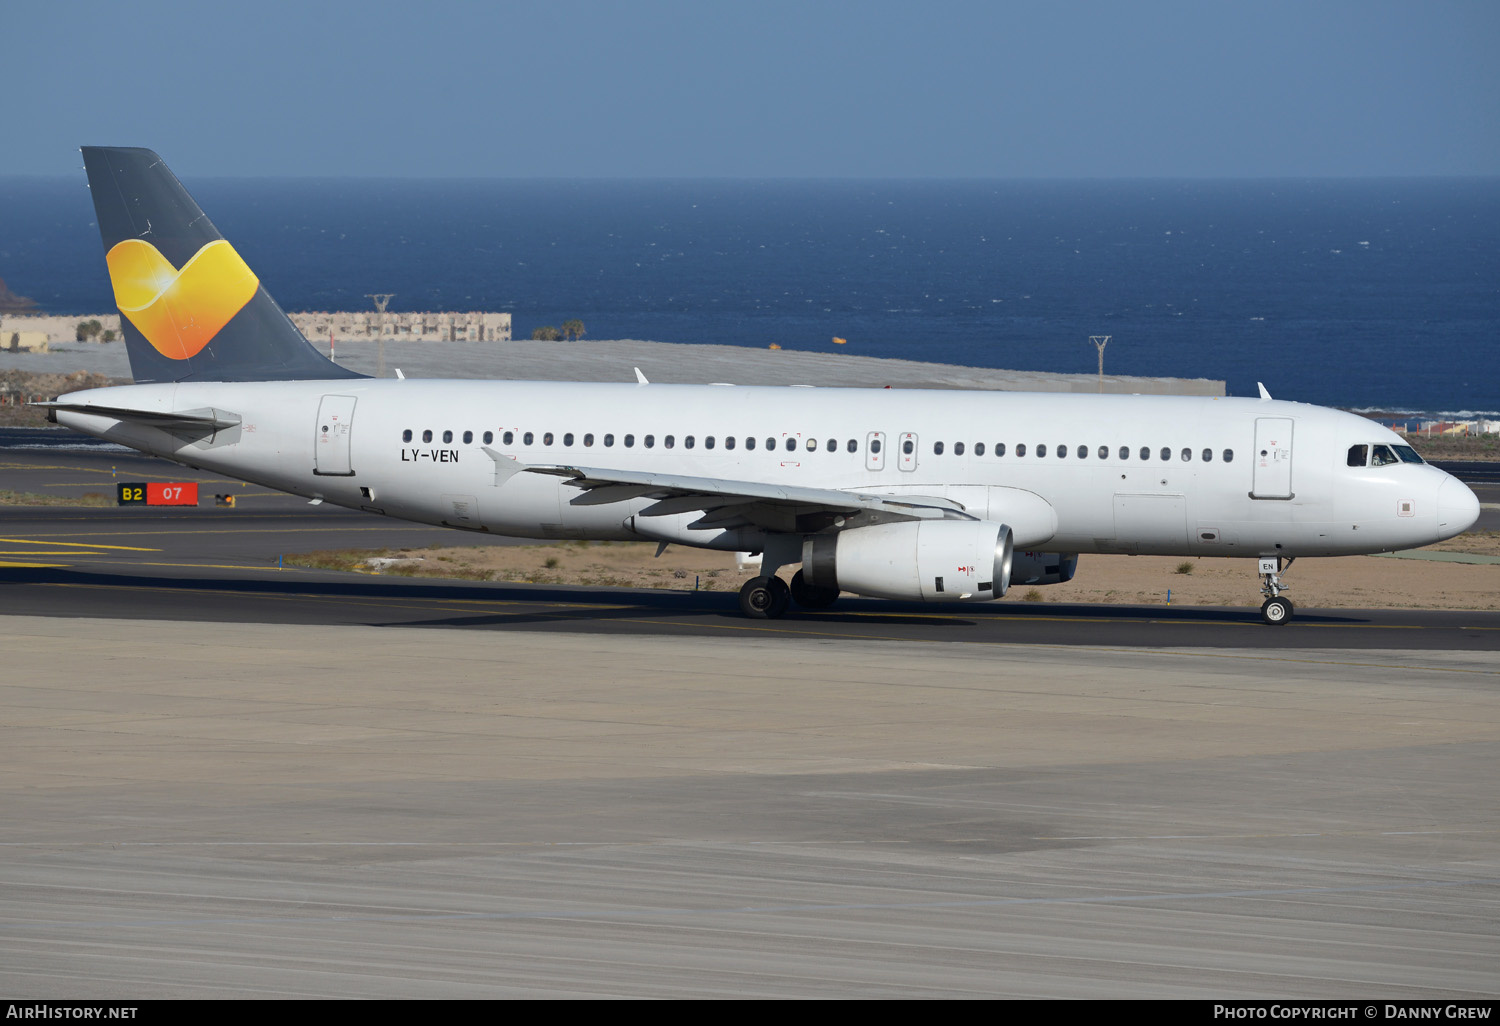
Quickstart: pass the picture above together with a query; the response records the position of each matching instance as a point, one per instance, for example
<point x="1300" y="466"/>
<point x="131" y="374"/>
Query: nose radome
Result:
<point x="1458" y="506"/>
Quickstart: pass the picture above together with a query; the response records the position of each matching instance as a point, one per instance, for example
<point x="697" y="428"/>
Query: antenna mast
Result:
<point x="381" y="299"/>
<point x="1100" y="341"/>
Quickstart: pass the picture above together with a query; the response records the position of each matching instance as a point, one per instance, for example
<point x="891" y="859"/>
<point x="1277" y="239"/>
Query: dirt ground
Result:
<point x="1345" y="582"/>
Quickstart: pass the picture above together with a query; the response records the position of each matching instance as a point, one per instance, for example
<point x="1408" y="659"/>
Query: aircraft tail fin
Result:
<point x="190" y="308"/>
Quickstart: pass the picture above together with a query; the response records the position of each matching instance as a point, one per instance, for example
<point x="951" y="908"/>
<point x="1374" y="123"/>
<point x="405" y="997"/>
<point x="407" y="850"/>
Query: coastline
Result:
<point x="664" y="362"/>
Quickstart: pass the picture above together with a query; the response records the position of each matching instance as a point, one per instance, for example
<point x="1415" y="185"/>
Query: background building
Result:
<point x="350" y="326"/>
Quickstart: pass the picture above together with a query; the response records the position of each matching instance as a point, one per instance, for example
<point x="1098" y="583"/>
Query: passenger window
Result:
<point x="853" y="446"/>
<point x="908" y="446"/>
<point x="1104" y="452"/>
<point x="812" y="445"/>
<point x="729" y="441"/>
<point x="1083" y="452"/>
<point x="649" y="441"/>
<point x="1228" y="455"/>
<point x="688" y="442"/>
<point x="489" y="436"/>
<point x="588" y="441"/>
<point x="1208" y="455"/>
<point x="547" y="438"/>
<point x="1124" y="452"/>
<point x="509" y="437"/>
<point x="791" y="445"/>
<point x="708" y="443"/>
<point x="771" y="443"/>
<point x="1382" y="456"/>
<point x="937" y="448"/>
<point x="749" y="443"/>
<point x="1187" y="455"/>
<point x="1000" y="450"/>
<point x="406" y="435"/>
<point x="833" y="445"/>
<point x="427" y="435"/>
<point x="526" y="438"/>
<point x="1021" y="449"/>
<point x="875" y="446"/>
<point x="630" y="441"/>
<point x="1041" y="450"/>
<point x="468" y="437"/>
<point x="1062" y="452"/>
<point x="609" y="441"/>
<point x="1166" y="454"/>
<point x="667" y="442"/>
<point x="978" y="448"/>
<point x="1145" y="452"/>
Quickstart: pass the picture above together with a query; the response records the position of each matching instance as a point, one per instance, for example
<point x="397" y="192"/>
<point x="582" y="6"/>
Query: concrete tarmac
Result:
<point x="233" y="810"/>
<point x="593" y="360"/>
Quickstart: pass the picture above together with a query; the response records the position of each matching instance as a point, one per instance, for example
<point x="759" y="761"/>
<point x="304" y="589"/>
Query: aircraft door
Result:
<point x="908" y="453"/>
<point x="875" y="450"/>
<point x="1273" y="458"/>
<point x="331" y="449"/>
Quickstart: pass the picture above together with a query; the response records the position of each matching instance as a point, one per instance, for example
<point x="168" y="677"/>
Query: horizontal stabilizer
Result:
<point x="205" y="418"/>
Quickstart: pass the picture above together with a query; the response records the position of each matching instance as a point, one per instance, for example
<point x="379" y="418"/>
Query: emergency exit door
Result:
<point x="331" y="447"/>
<point x="908" y="450"/>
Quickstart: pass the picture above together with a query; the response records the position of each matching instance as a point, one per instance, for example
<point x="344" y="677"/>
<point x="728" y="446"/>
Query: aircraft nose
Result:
<point x="1458" y="506"/>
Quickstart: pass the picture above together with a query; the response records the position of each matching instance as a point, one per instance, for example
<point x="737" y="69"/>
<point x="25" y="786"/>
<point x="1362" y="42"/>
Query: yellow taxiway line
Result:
<point x="74" y="545"/>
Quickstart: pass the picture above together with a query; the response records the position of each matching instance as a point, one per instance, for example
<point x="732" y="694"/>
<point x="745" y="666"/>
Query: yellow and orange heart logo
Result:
<point x="180" y="311"/>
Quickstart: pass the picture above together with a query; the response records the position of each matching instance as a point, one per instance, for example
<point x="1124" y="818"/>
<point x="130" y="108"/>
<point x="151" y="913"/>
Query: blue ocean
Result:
<point x="1364" y="294"/>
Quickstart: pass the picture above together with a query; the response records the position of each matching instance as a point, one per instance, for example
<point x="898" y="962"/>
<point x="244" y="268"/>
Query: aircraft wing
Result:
<point x="729" y="503"/>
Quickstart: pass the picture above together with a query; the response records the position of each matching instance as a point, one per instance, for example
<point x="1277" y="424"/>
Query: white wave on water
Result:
<point x="1444" y="414"/>
<point x="67" y="447"/>
<point x="54" y="439"/>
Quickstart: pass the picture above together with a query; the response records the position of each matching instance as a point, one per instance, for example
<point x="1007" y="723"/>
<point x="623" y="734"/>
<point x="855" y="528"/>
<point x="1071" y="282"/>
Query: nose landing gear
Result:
<point x="1276" y="610"/>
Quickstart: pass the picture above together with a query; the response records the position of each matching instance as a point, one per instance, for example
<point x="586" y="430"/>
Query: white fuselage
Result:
<point x="1140" y="474"/>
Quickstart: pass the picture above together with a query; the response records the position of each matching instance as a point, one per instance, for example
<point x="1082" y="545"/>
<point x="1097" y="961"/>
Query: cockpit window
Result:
<point x="1407" y="454"/>
<point x="1382" y="456"/>
<point x="1359" y="455"/>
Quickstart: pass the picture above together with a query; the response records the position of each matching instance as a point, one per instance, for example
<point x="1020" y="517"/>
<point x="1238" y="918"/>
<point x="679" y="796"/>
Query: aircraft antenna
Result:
<point x="381" y="299"/>
<point x="1100" y="341"/>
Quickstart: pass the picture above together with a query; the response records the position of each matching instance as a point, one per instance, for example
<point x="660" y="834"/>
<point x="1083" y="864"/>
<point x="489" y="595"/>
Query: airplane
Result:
<point x="916" y="495"/>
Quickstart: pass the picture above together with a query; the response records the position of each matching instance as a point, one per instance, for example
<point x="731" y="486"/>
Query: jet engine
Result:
<point x="925" y="560"/>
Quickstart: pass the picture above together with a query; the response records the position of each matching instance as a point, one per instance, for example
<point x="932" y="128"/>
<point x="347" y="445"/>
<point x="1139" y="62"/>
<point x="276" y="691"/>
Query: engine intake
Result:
<point x="922" y="560"/>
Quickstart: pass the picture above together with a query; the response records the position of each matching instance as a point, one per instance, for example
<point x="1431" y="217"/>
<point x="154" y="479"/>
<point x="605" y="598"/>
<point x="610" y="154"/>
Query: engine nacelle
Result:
<point x="925" y="560"/>
<point x="1043" y="567"/>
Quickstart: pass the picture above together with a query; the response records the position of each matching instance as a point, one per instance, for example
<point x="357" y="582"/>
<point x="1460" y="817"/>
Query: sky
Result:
<point x="730" y="88"/>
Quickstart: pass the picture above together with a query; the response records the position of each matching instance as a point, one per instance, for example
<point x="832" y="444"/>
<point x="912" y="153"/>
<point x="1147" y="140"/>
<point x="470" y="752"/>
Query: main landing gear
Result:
<point x="1276" y="610"/>
<point x="767" y="598"/>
